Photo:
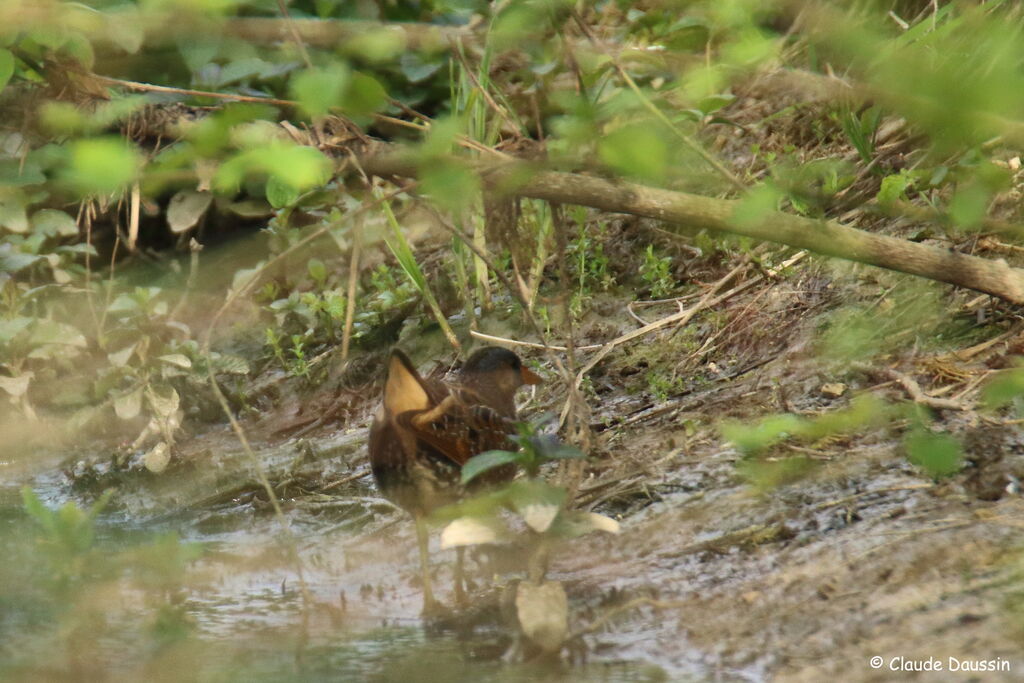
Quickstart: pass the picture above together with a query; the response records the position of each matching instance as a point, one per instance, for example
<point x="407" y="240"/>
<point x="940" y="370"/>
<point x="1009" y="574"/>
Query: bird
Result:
<point x="425" y="430"/>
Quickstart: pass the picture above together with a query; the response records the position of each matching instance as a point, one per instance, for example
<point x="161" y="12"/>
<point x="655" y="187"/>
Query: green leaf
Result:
<point x="9" y="329"/>
<point x="280" y="193"/>
<point x="537" y="502"/>
<point x="177" y="359"/>
<point x="18" y="172"/>
<point x="317" y="270"/>
<point x="36" y="510"/>
<point x="317" y="90"/>
<point x="51" y="222"/>
<point x="377" y="46"/>
<point x="969" y="205"/>
<point x="12" y="213"/>
<point x="120" y="358"/>
<point x="302" y="168"/>
<point x="487" y="461"/>
<point x="14" y="261"/>
<point x="125" y="27"/>
<point x="16" y="386"/>
<point x="753" y="207"/>
<point x="768" y="431"/>
<point x="53" y="332"/>
<point x="128" y="406"/>
<point x="636" y="150"/>
<point x="450" y="184"/>
<point x="1003" y="388"/>
<point x="232" y="365"/>
<point x="6" y="67"/>
<point x="102" y="165"/>
<point x="364" y="95"/>
<point x="550" y="447"/>
<point x="415" y="68"/>
<point x="165" y="403"/>
<point x="940" y="455"/>
<point x="441" y="138"/>
<point x="894" y="187"/>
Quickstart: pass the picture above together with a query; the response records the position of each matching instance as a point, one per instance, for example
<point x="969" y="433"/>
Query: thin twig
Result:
<point x="911" y="386"/>
<point x="345" y="480"/>
<point x="353" y="279"/>
<point x="531" y="345"/>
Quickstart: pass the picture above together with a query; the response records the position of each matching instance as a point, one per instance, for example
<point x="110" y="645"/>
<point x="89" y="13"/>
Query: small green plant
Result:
<point x="588" y="265"/>
<point x="292" y="358"/>
<point x="656" y="273"/>
<point x="861" y="130"/>
<point x="67" y="536"/>
<point x="662" y="385"/>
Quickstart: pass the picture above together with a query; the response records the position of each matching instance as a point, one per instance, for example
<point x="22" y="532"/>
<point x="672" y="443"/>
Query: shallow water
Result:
<point x="175" y="589"/>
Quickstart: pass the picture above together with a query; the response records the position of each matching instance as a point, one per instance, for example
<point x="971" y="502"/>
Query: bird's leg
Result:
<point x="460" y="577"/>
<point x="429" y="604"/>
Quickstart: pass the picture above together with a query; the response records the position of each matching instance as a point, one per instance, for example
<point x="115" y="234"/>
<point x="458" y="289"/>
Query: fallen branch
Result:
<point x="693" y="211"/>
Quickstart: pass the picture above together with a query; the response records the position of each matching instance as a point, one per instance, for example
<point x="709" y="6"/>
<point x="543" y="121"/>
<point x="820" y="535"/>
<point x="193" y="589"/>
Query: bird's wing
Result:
<point x="459" y="426"/>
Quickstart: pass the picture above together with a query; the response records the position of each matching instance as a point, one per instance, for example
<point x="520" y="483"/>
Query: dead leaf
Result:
<point x="127" y="406"/>
<point x="473" y="531"/>
<point x="186" y="208"/>
<point x="157" y="458"/>
<point x="543" y="611"/>
<point x="16" y="386"/>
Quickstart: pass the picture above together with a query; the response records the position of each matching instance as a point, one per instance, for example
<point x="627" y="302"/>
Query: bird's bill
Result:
<point x="529" y="376"/>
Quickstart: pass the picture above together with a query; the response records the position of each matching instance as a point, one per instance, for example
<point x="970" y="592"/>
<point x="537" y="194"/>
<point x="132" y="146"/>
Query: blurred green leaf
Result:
<point x="761" y="201"/>
<point x="13" y="216"/>
<point x="377" y="46"/>
<point x="6" y="67"/>
<point x="453" y="186"/>
<point x="940" y="455"/>
<point x="127" y="406"/>
<point x="636" y="150"/>
<point x="418" y="69"/>
<point x="280" y="193"/>
<point x="13" y="261"/>
<point x="51" y="223"/>
<point x="53" y="332"/>
<point x="969" y="205"/>
<point x="364" y="96"/>
<point x="10" y="328"/>
<point x="317" y="90"/>
<point x="486" y="461"/>
<point x="317" y="270"/>
<point x="441" y="138"/>
<point x="766" y="432"/>
<point x="894" y="187"/>
<point x="768" y="475"/>
<point x="536" y="501"/>
<point x="1003" y="388"/>
<point x="102" y="165"/>
<point x="299" y="167"/>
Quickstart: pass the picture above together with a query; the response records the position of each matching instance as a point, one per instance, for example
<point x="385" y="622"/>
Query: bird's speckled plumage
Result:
<point x="425" y="430"/>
